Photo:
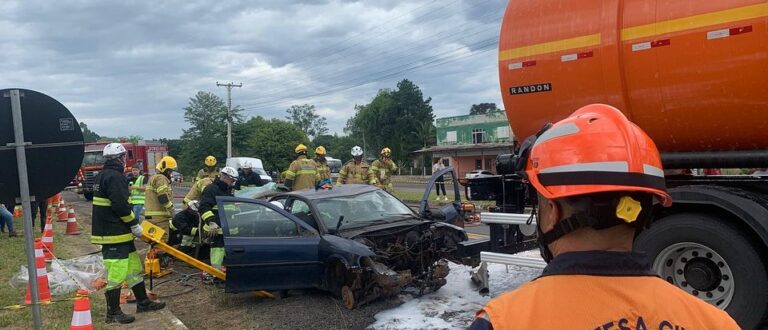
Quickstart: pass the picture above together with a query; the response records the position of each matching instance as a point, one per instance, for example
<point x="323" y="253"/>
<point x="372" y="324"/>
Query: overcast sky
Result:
<point x="130" y="67"/>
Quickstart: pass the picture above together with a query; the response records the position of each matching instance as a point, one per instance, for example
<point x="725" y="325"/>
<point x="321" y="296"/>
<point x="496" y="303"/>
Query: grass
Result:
<point x="415" y="197"/>
<point x="57" y="315"/>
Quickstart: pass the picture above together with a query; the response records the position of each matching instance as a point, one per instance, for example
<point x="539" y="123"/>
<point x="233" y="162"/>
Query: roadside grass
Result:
<point x="415" y="197"/>
<point x="57" y="315"/>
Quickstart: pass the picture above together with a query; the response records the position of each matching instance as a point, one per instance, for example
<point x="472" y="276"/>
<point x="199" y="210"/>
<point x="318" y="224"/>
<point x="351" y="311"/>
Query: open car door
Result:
<point x="449" y="213"/>
<point x="266" y="247"/>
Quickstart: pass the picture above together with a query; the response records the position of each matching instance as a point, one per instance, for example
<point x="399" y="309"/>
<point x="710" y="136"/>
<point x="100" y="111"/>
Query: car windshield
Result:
<point x="359" y="210"/>
<point x="260" y="171"/>
<point x="93" y="157"/>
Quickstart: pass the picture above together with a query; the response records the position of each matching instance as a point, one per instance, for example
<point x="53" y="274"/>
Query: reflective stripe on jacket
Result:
<point x="303" y="172"/>
<point x="354" y="173"/>
<point x="112" y="215"/>
<point x="159" y="187"/>
<point x="381" y="171"/>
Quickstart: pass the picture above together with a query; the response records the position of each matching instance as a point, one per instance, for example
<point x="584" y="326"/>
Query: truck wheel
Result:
<point x="712" y="260"/>
<point x="88" y="196"/>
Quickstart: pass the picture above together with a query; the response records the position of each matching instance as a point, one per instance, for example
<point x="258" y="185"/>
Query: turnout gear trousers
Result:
<point x="354" y="173"/>
<point x="112" y="215"/>
<point x="122" y="264"/>
<point x="159" y="201"/>
<point x="303" y="173"/>
<point x="600" y="290"/>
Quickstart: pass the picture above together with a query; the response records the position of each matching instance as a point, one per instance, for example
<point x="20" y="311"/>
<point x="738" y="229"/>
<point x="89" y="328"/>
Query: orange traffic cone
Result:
<point x="81" y="316"/>
<point x="42" y="277"/>
<point x="63" y="216"/>
<point x="17" y="211"/>
<point x="72" y="228"/>
<point x="47" y="240"/>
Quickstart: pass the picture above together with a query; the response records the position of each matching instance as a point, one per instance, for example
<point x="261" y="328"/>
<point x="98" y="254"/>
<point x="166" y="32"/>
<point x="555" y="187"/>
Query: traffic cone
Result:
<point x="17" y="211"/>
<point x="63" y="216"/>
<point x="42" y="277"/>
<point x="72" y="228"/>
<point x="81" y="316"/>
<point x="47" y="240"/>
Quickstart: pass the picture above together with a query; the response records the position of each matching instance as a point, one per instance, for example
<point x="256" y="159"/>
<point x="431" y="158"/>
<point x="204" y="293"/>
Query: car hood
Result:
<point x="357" y="231"/>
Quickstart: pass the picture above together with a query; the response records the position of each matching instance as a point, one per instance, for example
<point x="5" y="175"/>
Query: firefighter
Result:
<point x="322" y="164"/>
<point x="137" y="188"/>
<point x="302" y="173"/>
<point x="210" y="170"/>
<point x="158" y="201"/>
<point x="596" y="175"/>
<point x="356" y="170"/>
<point x="187" y="223"/>
<point x="221" y="186"/>
<point x="248" y="178"/>
<point x="196" y="191"/>
<point x="382" y="169"/>
<point x="114" y="226"/>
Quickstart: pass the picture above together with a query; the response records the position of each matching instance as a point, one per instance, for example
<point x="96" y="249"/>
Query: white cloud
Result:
<point x="130" y="68"/>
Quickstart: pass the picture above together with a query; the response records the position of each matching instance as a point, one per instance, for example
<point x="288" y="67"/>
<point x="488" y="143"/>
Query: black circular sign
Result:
<point x="54" y="145"/>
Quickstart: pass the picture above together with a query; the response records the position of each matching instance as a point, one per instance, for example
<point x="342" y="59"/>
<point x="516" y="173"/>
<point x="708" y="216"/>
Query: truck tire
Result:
<point x="710" y="259"/>
<point x="88" y="196"/>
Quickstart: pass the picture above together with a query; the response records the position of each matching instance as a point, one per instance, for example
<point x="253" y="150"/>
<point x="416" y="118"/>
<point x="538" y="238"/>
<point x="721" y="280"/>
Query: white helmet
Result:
<point x="114" y="150"/>
<point x="247" y="164"/>
<point x="194" y="205"/>
<point x="357" y="151"/>
<point x="229" y="171"/>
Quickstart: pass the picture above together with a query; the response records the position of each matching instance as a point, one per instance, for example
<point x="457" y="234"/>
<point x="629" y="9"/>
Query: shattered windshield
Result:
<point x="370" y="207"/>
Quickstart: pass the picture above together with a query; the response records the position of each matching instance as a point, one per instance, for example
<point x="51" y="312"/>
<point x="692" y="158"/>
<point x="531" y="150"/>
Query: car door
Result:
<point x="266" y="247"/>
<point x="449" y="213"/>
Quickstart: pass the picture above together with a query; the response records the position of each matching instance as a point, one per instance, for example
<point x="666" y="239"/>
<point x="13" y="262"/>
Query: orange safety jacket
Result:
<point x="600" y="290"/>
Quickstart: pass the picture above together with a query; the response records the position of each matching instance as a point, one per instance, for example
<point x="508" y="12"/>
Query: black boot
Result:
<point x="114" y="313"/>
<point x="143" y="304"/>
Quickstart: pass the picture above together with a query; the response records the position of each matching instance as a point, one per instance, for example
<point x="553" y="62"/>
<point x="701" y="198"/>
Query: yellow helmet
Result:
<point x="386" y="152"/>
<point x="300" y="148"/>
<point x="166" y="163"/>
<point x="320" y="150"/>
<point x="210" y="161"/>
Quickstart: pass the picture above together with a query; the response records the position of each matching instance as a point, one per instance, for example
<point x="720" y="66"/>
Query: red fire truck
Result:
<point x="144" y="155"/>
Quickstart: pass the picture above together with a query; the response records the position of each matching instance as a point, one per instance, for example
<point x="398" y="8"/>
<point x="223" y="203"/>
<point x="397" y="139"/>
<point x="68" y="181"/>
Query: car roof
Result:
<point x="337" y="191"/>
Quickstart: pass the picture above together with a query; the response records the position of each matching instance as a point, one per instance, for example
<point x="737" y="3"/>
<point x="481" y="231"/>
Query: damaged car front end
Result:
<point x="357" y="242"/>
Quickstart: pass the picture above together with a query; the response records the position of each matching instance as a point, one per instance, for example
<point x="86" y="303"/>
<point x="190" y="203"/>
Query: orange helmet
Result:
<point x="596" y="149"/>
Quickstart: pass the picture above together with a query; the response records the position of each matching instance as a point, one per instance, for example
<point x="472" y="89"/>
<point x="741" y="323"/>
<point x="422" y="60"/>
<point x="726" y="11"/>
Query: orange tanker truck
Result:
<point x="694" y="75"/>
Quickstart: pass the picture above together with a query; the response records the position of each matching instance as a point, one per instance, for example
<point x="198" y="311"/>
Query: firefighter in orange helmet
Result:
<point x="596" y="175"/>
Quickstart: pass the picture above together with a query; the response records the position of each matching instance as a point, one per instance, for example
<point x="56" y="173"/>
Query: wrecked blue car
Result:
<point x="355" y="241"/>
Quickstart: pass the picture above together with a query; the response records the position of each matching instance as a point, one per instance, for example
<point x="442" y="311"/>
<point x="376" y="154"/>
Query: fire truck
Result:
<point x="143" y="155"/>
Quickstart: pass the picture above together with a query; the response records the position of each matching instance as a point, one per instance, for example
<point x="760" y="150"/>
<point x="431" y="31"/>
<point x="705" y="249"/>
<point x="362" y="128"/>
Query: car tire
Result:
<point x="698" y="242"/>
<point x="88" y="196"/>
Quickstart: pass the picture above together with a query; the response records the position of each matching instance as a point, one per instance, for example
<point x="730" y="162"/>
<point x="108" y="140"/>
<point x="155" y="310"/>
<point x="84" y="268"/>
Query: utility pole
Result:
<point x="229" y="114"/>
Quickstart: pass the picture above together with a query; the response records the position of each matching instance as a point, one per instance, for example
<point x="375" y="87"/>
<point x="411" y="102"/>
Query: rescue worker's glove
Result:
<point x="211" y="229"/>
<point x="136" y="230"/>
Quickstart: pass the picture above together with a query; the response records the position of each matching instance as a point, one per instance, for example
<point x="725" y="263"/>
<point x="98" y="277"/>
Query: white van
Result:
<point x="335" y="166"/>
<point x="256" y="166"/>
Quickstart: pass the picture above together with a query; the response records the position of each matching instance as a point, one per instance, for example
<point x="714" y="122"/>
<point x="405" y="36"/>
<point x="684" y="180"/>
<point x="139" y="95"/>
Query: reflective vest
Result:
<point x="354" y="173"/>
<point x="137" y="196"/>
<point x="602" y="290"/>
<point x="303" y="172"/>
<point x="158" y="185"/>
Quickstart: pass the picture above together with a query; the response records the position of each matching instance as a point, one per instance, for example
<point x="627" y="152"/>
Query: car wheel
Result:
<point x="348" y="297"/>
<point x="704" y="256"/>
<point x="88" y="196"/>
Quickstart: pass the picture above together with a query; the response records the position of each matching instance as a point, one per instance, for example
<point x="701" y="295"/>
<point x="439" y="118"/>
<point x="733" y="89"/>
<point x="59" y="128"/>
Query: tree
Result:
<point x="88" y="135"/>
<point x="207" y="134"/>
<point x="304" y="117"/>
<point x="483" y="108"/>
<point x="273" y="141"/>
<point x="391" y="119"/>
<point x="338" y="147"/>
